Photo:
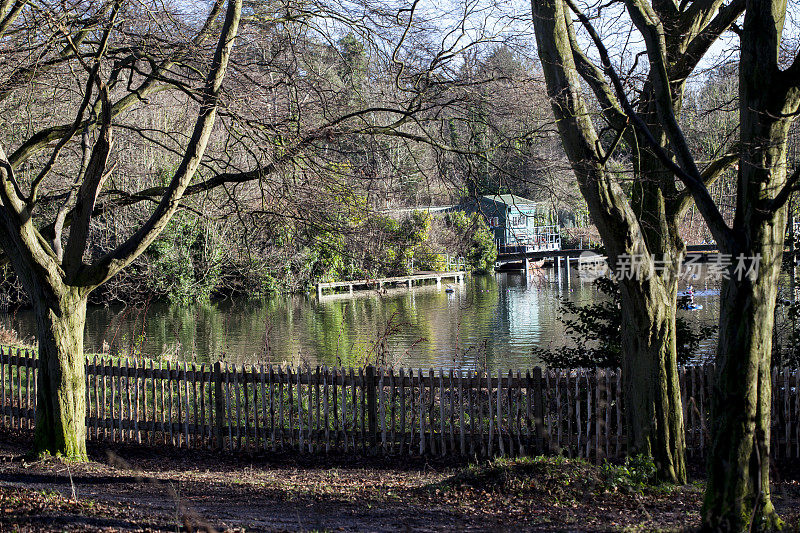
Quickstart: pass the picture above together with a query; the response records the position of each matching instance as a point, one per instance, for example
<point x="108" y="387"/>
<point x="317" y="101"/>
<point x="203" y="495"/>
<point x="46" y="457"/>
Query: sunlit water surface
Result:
<point x="488" y="322"/>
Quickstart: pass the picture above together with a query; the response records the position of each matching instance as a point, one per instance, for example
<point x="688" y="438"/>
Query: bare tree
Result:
<point x="738" y="493"/>
<point x="52" y="266"/>
<point x="643" y="224"/>
<point x="147" y="131"/>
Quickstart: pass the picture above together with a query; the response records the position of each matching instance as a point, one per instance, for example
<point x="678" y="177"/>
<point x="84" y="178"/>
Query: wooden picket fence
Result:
<point x="577" y="413"/>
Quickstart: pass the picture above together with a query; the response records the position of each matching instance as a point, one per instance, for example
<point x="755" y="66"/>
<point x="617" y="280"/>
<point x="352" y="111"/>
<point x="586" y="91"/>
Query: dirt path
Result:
<point x="138" y="489"/>
<point x="159" y="490"/>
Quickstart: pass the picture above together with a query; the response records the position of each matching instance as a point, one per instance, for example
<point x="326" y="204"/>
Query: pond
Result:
<point x="487" y="322"/>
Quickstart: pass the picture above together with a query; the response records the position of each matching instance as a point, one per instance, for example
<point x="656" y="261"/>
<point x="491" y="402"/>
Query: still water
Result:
<point x="487" y="322"/>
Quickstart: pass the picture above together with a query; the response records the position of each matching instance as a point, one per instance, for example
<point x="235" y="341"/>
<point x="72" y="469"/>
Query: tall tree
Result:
<point x="738" y="490"/>
<point x="275" y="135"/>
<point x="639" y="223"/>
<point x="55" y="273"/>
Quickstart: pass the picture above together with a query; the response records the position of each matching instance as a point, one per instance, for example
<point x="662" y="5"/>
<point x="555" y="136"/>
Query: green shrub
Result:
<point x="476" y="243"/>
<point x="186" y="263"/>
<point x="594" y="333"/>
<point x="632" y="476"/>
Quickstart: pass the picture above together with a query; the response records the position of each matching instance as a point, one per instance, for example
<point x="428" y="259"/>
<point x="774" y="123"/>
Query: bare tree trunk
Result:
<point x="650" y="364"/>
<point x="61" y="406"/>
<point x="738" y="492"/>
<point x="651" y="397"/>
<point x="653" y="408"/>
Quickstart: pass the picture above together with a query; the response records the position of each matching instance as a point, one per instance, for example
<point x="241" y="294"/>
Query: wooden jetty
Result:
<point x="378" y="283"/>
<point x="576" y="253"/>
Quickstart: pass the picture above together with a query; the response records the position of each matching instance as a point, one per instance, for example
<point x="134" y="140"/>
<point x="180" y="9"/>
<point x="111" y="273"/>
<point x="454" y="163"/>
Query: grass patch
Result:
<point x="557" y="477"/>
<point x="557" y="492"/>
<point x="516" y="476"/>
<point x="634" y="475"/>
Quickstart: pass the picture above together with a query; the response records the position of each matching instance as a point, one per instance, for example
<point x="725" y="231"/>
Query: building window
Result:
<point x="494" y="222"/>
<point x="518" y="221"/>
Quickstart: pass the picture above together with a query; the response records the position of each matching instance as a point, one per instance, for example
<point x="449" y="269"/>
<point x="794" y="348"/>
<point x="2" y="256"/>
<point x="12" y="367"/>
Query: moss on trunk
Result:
<point x="652" y="400"/>
<point x="738" y="493"/>
<point x="61" y="405"/>
<point x="652" y="397"/>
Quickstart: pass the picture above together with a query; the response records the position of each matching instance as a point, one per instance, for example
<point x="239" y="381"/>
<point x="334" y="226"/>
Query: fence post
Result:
<point x="371" y="405"/>
<point x="538" y="409"/>
<point x="219" y="404"/>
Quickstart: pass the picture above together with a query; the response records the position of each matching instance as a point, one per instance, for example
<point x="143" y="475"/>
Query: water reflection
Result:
<point x="487" y="322"/>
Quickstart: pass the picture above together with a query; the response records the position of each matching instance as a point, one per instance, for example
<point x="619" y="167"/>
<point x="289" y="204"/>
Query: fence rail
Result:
<point x="577" y="413"/>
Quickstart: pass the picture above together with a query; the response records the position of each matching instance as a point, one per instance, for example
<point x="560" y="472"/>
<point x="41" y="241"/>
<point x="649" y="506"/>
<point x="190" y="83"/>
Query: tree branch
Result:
<point x="608" y="205"/>
<point x="10" y="15"/>
<point x="700" y="44"/>
<point x="786" y="191"/>
<point x="151" y="85"/>
<point x="92" y="79"/>
<point x="710" y="174"/>
<point x="593" y="76"/>
<point x="137" y="243"/>
<point x="647" y="21"/>
<point x="93" y="180"/>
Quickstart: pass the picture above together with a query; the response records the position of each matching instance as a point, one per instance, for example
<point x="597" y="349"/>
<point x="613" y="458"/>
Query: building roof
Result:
<point x="423" y="208"/>
<point x="510" y="199"/>
<point x="501" y="202"/>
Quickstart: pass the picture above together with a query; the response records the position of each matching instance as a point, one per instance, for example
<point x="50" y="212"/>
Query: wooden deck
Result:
<point x="378" y="283"/>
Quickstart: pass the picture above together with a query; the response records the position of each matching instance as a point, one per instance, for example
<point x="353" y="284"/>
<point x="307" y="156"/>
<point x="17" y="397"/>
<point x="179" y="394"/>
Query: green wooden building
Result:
<point x="518" y="224"/>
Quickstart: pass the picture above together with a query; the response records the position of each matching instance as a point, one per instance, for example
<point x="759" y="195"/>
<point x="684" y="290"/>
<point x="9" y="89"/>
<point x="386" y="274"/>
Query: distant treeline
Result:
<point x="197" y="260"/>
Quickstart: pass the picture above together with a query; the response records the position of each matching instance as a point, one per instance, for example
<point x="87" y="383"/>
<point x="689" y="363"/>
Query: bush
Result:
<point x="632" y="476"/>
<point x="186" y="262"/>
<point x="464" y="235"/>
<point x="594" y="333"/>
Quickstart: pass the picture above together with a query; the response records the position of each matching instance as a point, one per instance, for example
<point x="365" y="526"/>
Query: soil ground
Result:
<point x="128" y="488"/>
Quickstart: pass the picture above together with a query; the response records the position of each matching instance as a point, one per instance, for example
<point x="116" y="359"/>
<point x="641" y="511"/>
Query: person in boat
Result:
<point x="690" y="294"/>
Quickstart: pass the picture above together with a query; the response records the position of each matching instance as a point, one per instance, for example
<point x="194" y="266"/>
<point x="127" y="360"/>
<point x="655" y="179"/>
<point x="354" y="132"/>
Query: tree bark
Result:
<point x="652" y="399"/>
<point x="738" y="491"/>
<point x="650" y="362"/>
<point x="653" y="408"/>
<point x="61" y="405"/>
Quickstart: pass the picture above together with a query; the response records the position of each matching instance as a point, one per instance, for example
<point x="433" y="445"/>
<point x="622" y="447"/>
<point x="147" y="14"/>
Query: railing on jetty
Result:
<point x="408" y="281"/>
<point x="577" y="413"/>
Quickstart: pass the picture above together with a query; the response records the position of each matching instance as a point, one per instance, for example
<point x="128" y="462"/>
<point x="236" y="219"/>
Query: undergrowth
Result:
<point x="558" y="477"/>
